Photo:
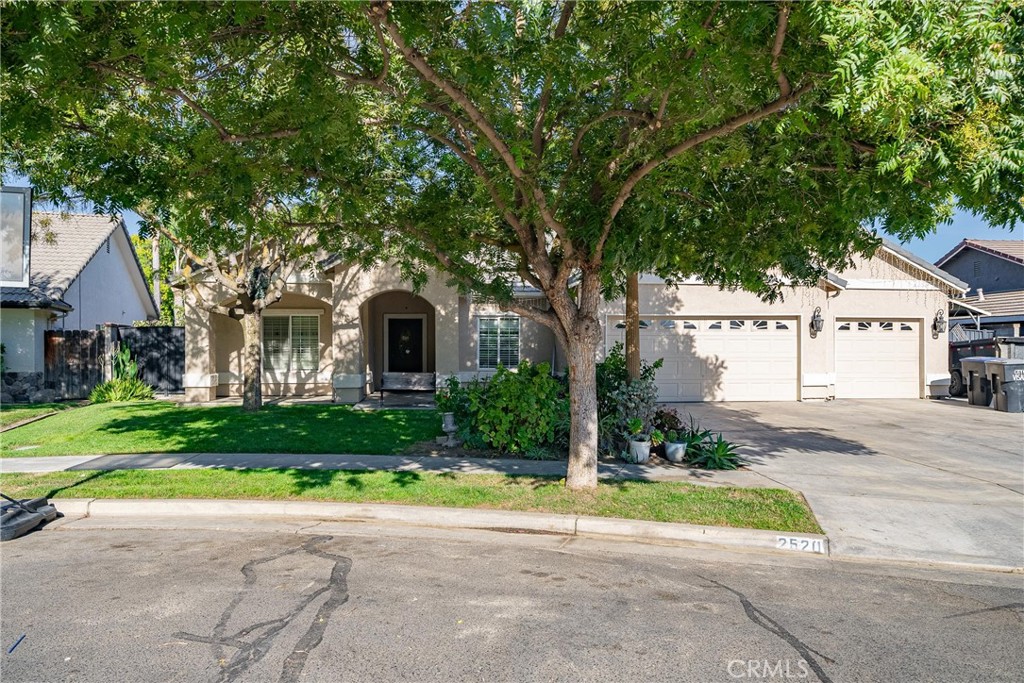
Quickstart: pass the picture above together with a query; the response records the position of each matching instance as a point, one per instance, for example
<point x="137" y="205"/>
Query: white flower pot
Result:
<point x="448" y="422"/>
<point x="675" y="452"/>
<point x="640" y="451"/>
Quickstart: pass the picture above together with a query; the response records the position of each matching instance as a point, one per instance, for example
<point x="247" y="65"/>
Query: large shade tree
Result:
<point x="745" y="143"/>
<point x="189" y="115"/>
<point x="562" y="144"/>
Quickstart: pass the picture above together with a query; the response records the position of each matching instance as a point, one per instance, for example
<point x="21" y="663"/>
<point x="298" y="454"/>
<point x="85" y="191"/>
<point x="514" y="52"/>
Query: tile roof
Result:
<point x="62" y="245"/>
<point x="1011" y="250"/>
<point x="999" y="304"/>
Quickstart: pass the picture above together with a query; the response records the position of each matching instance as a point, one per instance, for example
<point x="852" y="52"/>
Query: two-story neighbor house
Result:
<point x="868" y="332"/>
<point x="994" y="269"/>
<point x="83" y="272"/>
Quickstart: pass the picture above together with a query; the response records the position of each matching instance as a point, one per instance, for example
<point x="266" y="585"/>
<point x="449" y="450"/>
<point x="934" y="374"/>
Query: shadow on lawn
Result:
<point x="274" y="429"/>
<point x="95" y="475"/>
<point x="311" y="480"/>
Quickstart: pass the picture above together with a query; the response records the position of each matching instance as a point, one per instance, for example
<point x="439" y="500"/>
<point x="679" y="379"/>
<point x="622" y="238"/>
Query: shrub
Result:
<point x="126" y="385"/>
<point x="718" y="454"/>
<point x="124" y="389"/>
<point x="519" y="412"/>
<point x="450" y="395"/>
<point x="667" y="420"/>
<point x="618" y="400"/>
<point x="124" y="367"/>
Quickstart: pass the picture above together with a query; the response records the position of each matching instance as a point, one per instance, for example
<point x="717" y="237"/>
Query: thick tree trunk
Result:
<point x="633" y="326"/>
<point x="581" y="472"/>
<point x="252" y="391"/>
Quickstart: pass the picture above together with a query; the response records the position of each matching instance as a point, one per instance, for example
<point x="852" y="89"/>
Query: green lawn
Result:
<point x="773" y="509"/>
<point x="11" y="413"/>
<point x="161" y="427"/>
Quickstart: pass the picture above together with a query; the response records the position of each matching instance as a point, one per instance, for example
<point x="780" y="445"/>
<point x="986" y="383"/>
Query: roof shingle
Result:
<point x="62" y="246"/>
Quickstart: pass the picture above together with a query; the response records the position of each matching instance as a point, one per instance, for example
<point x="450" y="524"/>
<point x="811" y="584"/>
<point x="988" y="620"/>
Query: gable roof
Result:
<point x="62" y="246"/>
<point x="915" y="260"/>
<point x="1011" y="250"/>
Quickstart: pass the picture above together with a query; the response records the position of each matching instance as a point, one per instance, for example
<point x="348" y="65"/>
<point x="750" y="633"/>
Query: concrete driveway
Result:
<point x="906" y="479"/>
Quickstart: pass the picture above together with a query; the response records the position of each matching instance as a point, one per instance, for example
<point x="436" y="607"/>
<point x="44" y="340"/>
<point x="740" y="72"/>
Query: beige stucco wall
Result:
<point x="536" y="342"/>
<point x="877" y="291"/>
<point x="354" y="303"/>
<point x="355" y="328"/>
<point x="397" y="304"/>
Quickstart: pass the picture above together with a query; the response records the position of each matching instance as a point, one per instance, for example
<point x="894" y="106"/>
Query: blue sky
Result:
<point x="931" y="248"/>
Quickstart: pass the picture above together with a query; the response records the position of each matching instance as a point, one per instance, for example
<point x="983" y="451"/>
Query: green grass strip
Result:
<point x="773" y="509"/>
<point x="162" y="427"/>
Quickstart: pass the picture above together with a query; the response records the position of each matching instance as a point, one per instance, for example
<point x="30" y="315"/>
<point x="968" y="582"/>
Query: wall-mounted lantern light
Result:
<point x="939" y="324"/>
<point x="817" y="322"/>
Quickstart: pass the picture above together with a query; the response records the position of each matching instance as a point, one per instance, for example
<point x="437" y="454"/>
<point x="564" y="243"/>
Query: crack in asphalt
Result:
<point x="249" y="653"/>
<point x="761" y="619"/>
<point x="1014" y="608"/>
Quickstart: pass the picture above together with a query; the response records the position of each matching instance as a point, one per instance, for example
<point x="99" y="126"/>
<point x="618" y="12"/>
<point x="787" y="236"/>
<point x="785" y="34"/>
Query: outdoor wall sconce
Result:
<point x="817" y="322"/>
<point x="939" y="324"/>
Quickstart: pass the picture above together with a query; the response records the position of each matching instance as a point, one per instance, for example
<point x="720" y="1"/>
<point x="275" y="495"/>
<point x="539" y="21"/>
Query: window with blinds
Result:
<point x="291" y="343"/>
<point x="497" y="342"/>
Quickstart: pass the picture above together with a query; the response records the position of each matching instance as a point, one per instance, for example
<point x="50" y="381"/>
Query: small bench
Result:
<point x="407" y="381"/>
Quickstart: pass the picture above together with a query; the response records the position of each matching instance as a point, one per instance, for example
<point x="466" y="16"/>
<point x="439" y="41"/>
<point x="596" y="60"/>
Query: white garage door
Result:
<point x="719" y="360"/>
<point x="878" y="359"/>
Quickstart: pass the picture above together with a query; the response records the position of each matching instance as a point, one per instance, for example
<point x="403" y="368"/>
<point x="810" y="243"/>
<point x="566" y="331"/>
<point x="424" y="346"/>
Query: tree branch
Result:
<point x="545" y="95"/>
<point x="638" y="174"/>
<point x="644" y="116"/>
<point x="372" y="80"/>
<point x="780" y="39"/>
<point x="705" y="25"/>
<point x="222" y="131"/>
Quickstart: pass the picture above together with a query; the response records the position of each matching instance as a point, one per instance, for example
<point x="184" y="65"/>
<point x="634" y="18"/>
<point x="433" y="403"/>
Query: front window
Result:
<point x="291" y="343"/>
<point x="498" y="342"/>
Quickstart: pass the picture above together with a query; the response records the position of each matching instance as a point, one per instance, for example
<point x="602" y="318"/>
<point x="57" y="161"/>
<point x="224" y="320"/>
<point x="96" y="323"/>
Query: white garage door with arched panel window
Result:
<point x="878" y="359"/>
<point x="740" y="359"/>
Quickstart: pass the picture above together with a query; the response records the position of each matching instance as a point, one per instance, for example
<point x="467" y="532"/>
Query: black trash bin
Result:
<point x="1006" y="377"/>
<point x="979" y="391"/>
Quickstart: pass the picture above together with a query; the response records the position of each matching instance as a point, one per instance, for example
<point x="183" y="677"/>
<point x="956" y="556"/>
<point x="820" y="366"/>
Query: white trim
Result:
<point x="967" y="307"/>
<point x="26" y="236"/>
<point x="272" y="312"/>
<point x="422" y="317"/>
<point x="291" y="375"/>
<point x="896" y="285"/>
<point x="819" y="379"/>
<point x="922" y="269"/>
<point x="519" y="339"/>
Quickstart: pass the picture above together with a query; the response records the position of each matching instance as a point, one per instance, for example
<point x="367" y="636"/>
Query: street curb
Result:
<point x="453" y="518"/>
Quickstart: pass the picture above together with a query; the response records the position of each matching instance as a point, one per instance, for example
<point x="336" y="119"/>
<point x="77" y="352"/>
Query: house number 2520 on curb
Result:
<point x="801" y="545"/>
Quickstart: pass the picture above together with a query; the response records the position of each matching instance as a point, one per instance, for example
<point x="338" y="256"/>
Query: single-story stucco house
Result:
<point x="342" y="331"/>
<point x="83" y="272"/>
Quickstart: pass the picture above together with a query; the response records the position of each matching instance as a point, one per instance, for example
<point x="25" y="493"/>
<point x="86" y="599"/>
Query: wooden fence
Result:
<point x="77" y="360"/>
<point x="74" y="361"/>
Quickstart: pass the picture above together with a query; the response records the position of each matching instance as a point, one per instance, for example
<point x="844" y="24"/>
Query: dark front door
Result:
<point x="405" y="345"/>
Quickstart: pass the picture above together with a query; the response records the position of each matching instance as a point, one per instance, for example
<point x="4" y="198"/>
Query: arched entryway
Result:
<point x="399" y="335"/>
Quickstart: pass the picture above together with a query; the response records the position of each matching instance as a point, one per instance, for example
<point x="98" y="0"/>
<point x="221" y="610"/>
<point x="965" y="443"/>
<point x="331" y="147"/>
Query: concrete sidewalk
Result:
<point x="904" y="480"/>
<point x="425" y="463"/>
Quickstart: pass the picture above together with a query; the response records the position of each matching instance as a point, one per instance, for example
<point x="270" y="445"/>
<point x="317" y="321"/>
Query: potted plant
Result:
<point x="675" y="446"/>
<point x="639" y="440"/>
<point x="446" y="399"/>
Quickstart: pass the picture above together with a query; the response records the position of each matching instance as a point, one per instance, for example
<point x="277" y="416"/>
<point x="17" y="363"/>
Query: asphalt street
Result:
<point x="351" y="602"/>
